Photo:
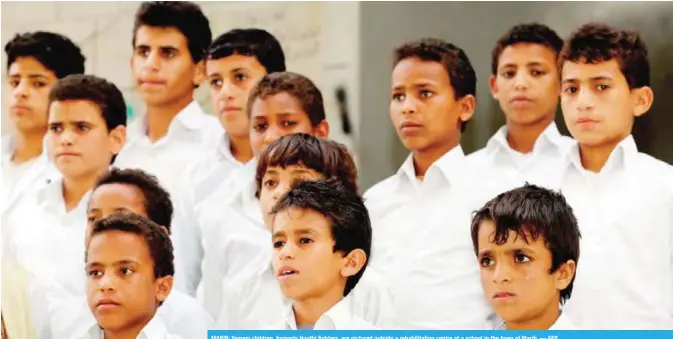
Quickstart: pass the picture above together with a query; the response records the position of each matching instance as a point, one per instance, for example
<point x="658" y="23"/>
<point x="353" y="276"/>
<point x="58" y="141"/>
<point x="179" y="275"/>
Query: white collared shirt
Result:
<point x="339" y="317"/>
<point x="563" y="322"/>
<point x="47" y="240"/>
<point x="19" y="179"/>
<point x="422" y="243"/>
<point x="182" y="314"/>
<point x="254" y="301"/>
<point x="543" y="166"/>
<point x="233" y="235"/>
<point x="624" y="276"/>
<point x="155" y="329"/>
<point x="199" y="183"/>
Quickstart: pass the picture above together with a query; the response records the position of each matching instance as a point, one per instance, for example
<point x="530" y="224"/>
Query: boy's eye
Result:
<point x="602" y="87"/>
<point x="259" y="127"/>
<point x="91" y="219"/>
<point x="507" y="74"/>
<point x="278" y="244"/>
<point x="289" y="123"/>
<point x="269" y="183"/>
<point x="216" y="83"/>
<point x="305" y="240"/>
<point x="537" y="73"/>
<point x="398" y="97"/>
<point x="55" y="128"/>
<point x="94" y="273"/>
<point x="14" y="83"/>
<point x="570" y="90"/>
<point x="486" y="262"/>
<point x="426" y="94"/>
<point x="240" y="77"/>
<point x="83" y="127"/>
<point x="126" y="271"/>
<point x="519" y="257"/>
<point x="39" y="84"/>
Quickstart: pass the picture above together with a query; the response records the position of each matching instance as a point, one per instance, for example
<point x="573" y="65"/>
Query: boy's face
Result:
<point x="598" y="106"/>
<point x="162" y="67"/>
<point x="423" y="108"/>
<point x="114" y="198"/>
<point x="29" y="86"/>
<point x="78" y="140"/>
<point x="515" y="275"/>
<point x="527" y="83"/>
<point x="231" y="79"/>
<point x="121" y="289"/>
<point x="276" y="116"/>
<point x="304" y="262"/>
<point x="277" y="181"/>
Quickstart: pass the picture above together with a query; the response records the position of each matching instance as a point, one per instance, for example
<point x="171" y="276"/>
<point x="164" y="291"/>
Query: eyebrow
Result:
<point x="528" y="64"/>
<point x="74" y="122"/>
<point x="31" y="75"/>
<point x="116" y="263"/>
<point x="417" y="85"/>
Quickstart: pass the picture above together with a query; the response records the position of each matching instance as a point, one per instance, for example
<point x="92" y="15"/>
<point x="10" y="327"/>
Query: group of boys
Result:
<point x="171" y="216"/>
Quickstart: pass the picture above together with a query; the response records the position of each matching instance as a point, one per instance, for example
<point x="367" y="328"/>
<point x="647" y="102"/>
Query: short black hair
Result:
<point x="158" y="241"/>
<point x="157" y="203"/>
<point x="462" y="77"/>
<point x="253" y="42"/>
<point x="533" y="33"/>
<point x="55" y="51"/>
<point x="540" y="212"/>
<point x="327" y="157"/>
<point x="296" y="85"/>
<point x="596" y="43"/>
<point x="345" y="210"/>
<point x="185" y="16"/>
<point x="97" y="90"/>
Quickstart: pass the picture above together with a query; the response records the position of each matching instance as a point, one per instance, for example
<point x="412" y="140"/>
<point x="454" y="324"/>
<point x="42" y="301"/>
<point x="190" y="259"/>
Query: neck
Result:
<point x="542" y="322"/>
<point x="594" y="157"/>
<point x="240" y="148"/>
<point x="132" y="331"/>
<point x="307" y="312"/>
<point x="74" y="189"/>
<point x="27" y="146"/>
<point x="522" y="138"/>
<point x="159" y="118"/>
<point x="425" y="158"/>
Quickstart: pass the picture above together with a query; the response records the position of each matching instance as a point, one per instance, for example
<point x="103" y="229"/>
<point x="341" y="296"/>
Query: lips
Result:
<point x="521" y="98"/>
<point x="230" y="109"/>
<point x="286" y="272"/>
<point x="106" y="303"/>
<point x="584" y="120"/>
<point x="67" y="154"/>
<point x="503" y="295"/>
<point x="410" y="124"/>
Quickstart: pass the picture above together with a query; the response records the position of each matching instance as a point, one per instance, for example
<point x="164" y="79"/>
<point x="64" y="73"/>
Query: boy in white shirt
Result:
<point x="623" y="198"/>
<point x="528" y="244"/>
<point x="35" y="61"/>
<point x="129" y="264"/>
<point x="87" y="128"/>
<point x="321" y="240"/>
<point x="236" y="61"/>
<point x="254" y="299"/>
<point x="421" y="214"/>
<point x="133" y="191"/>
<point x="524" y="81"/>
<point x="280" y="104"/>
<point x="170" y="42"/>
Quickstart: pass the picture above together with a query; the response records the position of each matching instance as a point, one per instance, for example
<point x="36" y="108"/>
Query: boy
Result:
<point x="280" y="104"/>
<point x="433" y="97"/>
<point x="34" y="62"/>
<point x="623" y="198"/>
<point x="170" y="41"/>
<point x="236" y="61"/>
<point x="321" y="241"/>
<point x="527" y="244"/>
<point x="129" y="265"/>
<point x="287" y="160"/>
<point x="87" y="121"/>
<point x="524" y="80"/>
<point x="134" y="191"/>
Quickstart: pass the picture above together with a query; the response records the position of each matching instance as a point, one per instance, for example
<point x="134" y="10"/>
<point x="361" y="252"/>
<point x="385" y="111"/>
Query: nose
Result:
<point x="520" y="81"/>
<point x="584" y="100"/>
<point x="287" y="252"/>
<point x="502" y="273"/>
<point x="106" y="283"/>
<point x="66" y="138"/>
<point x="21" y="90"/>
<point x="409" y="106"/>
<point x="152" y="61"/>
<point x="272" y="134"/>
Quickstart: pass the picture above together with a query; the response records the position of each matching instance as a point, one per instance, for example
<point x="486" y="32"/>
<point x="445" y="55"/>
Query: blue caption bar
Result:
<point x="431" y="334"/>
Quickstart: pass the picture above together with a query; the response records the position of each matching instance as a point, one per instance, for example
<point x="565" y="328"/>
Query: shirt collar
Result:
<point x="337" y="317"/>
<point x="448" y="166"/>
<point x="224" y="149"/>
<point x="623" y="156"/>
<point x="52" y="196"/>
<point x="155" y="329"/>
<point x="563" y="322"/>
<point x="188" y="118"/>
<point x="550" y="136"/>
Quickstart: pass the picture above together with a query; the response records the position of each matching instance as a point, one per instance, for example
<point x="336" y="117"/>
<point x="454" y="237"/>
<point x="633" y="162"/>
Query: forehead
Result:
<point x="232" y="62"/>
<point x="160" y="37"/>
<point x="525" y="53"/>
<point x="487" y="235"/>
<point x="415" y="70"/>
<point x="75" y="110"/>
<point x="584" y="71"/>
<point x="29" y="66"/>
<point x="277" y="103"/>
<point x="112" y="246"/>
<point x="294" y="219"/>
<point x="118" y="195"/>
